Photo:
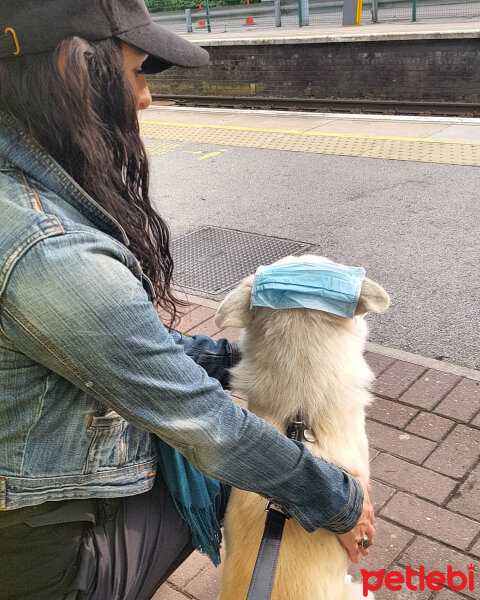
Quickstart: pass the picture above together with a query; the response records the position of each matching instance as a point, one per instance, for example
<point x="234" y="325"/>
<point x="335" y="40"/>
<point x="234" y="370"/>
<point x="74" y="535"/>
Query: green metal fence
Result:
<point x="422" y="10"/>
<point x="225" y="15"/>
<point x="428" y="9"/>
<point x="180" y="5"/>
<point x="220" y="19"/>
<point x="391" y="10"/>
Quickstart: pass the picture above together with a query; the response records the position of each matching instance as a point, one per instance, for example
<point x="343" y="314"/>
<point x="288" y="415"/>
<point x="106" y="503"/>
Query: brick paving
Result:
<point x="424" y="433"/>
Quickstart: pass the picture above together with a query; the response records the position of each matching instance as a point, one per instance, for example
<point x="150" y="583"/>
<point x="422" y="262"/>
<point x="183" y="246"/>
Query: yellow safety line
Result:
<point x="308" y="133"/>
<point x="210" y="154"/>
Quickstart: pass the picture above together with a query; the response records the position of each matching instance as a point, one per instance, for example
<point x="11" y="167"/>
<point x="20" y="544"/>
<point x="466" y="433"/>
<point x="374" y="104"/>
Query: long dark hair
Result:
<point x="85" y="118"/>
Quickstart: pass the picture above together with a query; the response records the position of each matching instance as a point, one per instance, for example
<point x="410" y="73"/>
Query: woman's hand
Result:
<point x="352" y="540"/>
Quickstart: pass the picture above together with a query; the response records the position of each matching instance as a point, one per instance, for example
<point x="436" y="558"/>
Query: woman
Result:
<point x="95" y="391"/>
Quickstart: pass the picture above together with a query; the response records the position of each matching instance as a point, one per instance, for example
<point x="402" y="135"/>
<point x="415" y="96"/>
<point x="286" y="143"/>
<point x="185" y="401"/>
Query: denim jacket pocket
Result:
<point x="108" y="448"/>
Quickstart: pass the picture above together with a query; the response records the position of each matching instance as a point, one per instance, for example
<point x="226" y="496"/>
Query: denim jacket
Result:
<point x="89" y="374"/>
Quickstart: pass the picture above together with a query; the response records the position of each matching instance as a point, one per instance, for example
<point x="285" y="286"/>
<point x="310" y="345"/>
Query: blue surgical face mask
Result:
<point x="325" y="286"/>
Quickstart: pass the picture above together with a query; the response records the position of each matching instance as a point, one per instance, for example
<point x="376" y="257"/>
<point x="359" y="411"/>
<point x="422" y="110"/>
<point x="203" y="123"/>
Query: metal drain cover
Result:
<point x="211" y="261"/>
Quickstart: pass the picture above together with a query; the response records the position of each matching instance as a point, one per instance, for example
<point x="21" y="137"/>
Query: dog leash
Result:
<point x="261" y="585"/>
<point x="264" y="573"/>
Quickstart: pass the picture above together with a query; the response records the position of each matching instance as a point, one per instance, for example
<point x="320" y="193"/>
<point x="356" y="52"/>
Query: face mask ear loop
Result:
<point x="15" y="39"/>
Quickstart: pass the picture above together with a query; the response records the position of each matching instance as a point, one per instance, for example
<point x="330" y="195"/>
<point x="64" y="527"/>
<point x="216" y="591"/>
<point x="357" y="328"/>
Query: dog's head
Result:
<point x="235" y="311"/>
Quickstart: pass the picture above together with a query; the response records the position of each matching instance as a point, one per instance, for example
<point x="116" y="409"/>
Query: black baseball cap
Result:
<point x="36" y="26"/>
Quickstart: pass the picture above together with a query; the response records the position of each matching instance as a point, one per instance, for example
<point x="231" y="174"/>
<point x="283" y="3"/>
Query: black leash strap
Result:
<point x="264" y="573"/>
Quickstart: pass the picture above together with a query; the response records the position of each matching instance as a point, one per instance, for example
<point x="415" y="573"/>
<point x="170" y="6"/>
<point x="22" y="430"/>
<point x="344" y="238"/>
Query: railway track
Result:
<point x="388" y="107"/>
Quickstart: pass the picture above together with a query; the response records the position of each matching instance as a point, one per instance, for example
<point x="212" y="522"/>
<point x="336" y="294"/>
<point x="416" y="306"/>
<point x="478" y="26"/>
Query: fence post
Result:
<point x="278" y="13"/>
<point x="188" y="19"/>
<point x="209" y="28"/>
<point x="300" y="15"/>
<point x="359" y="11"/>
<point x="350" y="12"/>
<point x="305" y="12"/>
<point x="414" y="10"/>
<point x="374" y="11"/>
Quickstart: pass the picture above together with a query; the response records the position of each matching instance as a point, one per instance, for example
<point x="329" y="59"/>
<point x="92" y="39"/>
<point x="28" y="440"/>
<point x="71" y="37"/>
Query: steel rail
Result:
<point x="399" y="107"/>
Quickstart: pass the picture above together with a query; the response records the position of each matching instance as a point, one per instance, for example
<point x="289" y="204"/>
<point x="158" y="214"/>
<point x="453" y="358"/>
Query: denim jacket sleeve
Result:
<point x="215" y="356"/>
<point x="72" y="304"/>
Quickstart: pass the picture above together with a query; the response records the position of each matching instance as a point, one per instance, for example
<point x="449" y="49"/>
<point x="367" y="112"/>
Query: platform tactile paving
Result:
<point x="158" y="148"/>
<point x="380" y="147"/>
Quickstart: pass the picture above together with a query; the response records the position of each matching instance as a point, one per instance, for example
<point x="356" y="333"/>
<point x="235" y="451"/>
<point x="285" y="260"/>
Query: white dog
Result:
<point x="309" y="361"/>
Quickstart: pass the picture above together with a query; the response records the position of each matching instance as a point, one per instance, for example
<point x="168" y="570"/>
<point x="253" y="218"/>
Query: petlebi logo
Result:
<point x="419" y="580"/>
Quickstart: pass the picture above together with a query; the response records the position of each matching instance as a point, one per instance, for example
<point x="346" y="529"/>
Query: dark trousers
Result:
<point x="131" y="555"/>
<point x="125" y="557"/>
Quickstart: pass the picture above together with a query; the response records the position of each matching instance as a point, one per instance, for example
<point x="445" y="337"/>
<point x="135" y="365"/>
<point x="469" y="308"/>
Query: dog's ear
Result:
<point x="234" y="311"/>
<point x="373" y="298"/>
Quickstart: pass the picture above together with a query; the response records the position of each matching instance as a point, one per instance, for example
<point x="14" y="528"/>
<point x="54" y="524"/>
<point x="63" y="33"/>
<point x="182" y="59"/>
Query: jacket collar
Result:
<point x="20" y="150"/>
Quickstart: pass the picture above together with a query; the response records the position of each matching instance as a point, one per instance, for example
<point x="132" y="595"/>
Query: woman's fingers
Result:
<point x="355" y="541"/>
<point x="370" y="533"/>
<point x="352" y="541"/>
<point x="349" y="542"/>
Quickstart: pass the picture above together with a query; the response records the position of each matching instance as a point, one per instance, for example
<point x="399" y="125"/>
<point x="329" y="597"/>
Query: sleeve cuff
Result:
<point x="348" y="517"/>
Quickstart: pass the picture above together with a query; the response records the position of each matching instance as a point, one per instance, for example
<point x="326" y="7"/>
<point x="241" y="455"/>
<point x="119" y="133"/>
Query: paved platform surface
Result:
<point x="424" y="432"/>
<point x="441" y="140"/>
<point x="431" y="29"/>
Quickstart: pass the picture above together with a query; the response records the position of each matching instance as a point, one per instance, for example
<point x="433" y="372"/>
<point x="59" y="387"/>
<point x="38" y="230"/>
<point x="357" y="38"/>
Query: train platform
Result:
<point x="385" y="31"/>
<point x="429" y="61"/>
<point x="424" y="425"/>
<point x="424" y="432"/>
<point x="425" y="139"/>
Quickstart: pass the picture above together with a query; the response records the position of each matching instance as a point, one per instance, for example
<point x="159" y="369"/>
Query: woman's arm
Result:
<point x="215" y="356"/>
<point x="72" y="304"/>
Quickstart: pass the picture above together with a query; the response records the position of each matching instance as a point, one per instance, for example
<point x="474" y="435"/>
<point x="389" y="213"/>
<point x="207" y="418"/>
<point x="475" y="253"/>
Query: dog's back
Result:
<point x="308" y="361"/>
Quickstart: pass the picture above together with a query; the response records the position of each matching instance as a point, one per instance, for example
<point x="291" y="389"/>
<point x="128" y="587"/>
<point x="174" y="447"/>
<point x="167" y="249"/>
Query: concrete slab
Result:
<point x="459" y="133"/>
<point x="169" y="105"/>
<point x="389" y="126"/>
<point x="235" y="120"/>
<point x="383" y="128"/>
